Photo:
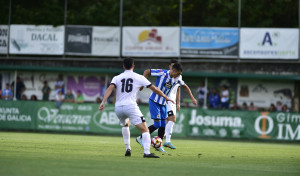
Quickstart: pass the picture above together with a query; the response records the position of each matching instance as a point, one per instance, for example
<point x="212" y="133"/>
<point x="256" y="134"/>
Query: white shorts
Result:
<point x="129" y="112"/>
<point x="171" y="109"/>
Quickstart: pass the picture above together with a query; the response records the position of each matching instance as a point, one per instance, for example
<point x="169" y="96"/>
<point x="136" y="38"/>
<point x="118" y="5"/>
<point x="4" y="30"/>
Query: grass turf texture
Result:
<point x="30" y="154"/>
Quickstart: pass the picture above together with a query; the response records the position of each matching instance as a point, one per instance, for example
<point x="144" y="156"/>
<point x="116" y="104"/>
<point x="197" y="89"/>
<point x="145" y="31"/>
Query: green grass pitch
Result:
<point x="35" y="154"/>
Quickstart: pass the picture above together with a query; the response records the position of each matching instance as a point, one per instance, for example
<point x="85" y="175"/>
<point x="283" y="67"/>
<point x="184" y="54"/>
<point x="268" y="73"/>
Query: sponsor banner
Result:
<point x="30" y="39"/>
<point x="106" y="41"/>
<point x="214" y="42"/>
<point x="244" y="124"/>
<point x="78" y="40"/>
<point x="17" y="115"/>
<point x="269" y="43"/>
<point x="150" y="41"/>
<point x="263" y="93"/>
<point x="3" y="39"/>
<point x="86" y="118"/>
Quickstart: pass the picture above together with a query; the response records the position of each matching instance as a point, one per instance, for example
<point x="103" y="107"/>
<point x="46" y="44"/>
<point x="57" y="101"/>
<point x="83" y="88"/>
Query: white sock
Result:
<point x="168" y="131"/>
<point x="126" y="137"/>
<point x="146" y="142"/>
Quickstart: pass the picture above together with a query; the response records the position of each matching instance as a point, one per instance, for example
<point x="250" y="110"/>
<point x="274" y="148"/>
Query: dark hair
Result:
<point x="177" y="67"/>
<point x="128" y="63"/>
<point x="174" y="61"/>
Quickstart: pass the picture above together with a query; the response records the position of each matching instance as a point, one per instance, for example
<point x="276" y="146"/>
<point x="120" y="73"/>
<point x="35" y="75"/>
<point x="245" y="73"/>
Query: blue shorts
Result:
<point x="157" y="111"/>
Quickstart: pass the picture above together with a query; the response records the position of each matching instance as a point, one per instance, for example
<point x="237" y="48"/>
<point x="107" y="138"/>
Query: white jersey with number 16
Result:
<point x="127" y="85"/>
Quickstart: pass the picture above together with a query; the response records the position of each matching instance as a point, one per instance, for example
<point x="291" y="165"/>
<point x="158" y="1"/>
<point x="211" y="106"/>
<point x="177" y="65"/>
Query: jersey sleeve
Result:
<point x="156" y="72"/>
<point x="114" y="81"/>
<point x="145" y="82"/>
<point x="180" y="81"/>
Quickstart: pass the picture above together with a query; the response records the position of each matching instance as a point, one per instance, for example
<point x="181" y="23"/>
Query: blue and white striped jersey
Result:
<point x="165" y="83"/>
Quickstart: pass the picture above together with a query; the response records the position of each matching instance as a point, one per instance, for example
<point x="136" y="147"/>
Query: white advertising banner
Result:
<point x="263" y="93"/>
<point x="3" y="39"/>
<point x="150" y="41"/>
<point x="31" y="39"/>
<point x="106" y="41"/>
<point x="269" y="43"/>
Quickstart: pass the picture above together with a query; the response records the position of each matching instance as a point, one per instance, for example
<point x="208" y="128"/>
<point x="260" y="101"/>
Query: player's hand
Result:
<point x="101" y="106"/>
<point x="194" y="101"/>
<point x="141" y="88"/>
<point x="178" y="107"/>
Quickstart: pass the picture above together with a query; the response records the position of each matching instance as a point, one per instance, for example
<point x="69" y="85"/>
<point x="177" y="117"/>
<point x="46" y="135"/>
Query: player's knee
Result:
<point x="163" y="123"/>
<point x="172" y="118"/>
<point x="157" y="123"/>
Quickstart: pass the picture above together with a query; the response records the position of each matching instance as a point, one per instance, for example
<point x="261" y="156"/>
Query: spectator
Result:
<point x="33" y="98"/>
<point x="20" y="88"/>
<point x="202" y="93"/>
<point x="224" y="97"/>
<point x="244" y="106"/>
<point x="23" y="97"/>
<point x="98" y="100"/>
<point x="285" y="108"/>
<point x="272" y="108"/>
<point x="7" y="93"/>
<point x="235" y="106"/>
<point x="79" y="98"/>
<point x="60" y="85"/>
<point x="69" y="97"/>
<point x="59" y="99"/>
<point x="278" y="106"/>
<point x="252" y="107"/>
<point x="214" y="99"/>
<point x="46" y="91"/>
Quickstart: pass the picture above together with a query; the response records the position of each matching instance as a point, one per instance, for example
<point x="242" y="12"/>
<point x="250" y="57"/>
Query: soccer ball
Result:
<point x="156" y="142"/>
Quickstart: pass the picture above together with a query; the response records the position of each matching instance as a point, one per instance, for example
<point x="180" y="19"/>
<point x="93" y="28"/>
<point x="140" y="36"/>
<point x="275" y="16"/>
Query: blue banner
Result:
<point x="214" y="42"/>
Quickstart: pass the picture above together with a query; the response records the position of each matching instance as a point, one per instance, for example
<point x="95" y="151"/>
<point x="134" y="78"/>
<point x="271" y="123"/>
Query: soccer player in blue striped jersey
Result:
<point x="166" y="80"/>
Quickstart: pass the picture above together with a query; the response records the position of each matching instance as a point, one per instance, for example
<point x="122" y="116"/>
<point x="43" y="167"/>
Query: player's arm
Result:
<point x="178" y="99"/>
<point x="147" y="73"/>
<point x="188" y="90"/>
<point x="160" y="93"/>
<point x="106" y="95"/>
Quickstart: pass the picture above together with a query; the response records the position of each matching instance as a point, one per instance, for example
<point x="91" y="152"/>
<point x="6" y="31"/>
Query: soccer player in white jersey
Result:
<point x="171" y="107"/>
<point x="126" y="108"/>
<point x="165" y="81"/>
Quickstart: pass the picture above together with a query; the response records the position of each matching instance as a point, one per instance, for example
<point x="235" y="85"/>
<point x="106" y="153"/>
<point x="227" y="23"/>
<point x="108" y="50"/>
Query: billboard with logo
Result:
<point x="86" y="118"/>
<point x="106" y="41"/>
<point x="30" y="39"/>
<point x="78" y="40"/>
<point x="3" y="39"/>
<point x="209" y="42"/>
<point x="150" y="41"/>
<point x="269" y="43"/>
<point x="244" y="125"/>
<point x="92" y="40"/>
<point x="263" y="93"/>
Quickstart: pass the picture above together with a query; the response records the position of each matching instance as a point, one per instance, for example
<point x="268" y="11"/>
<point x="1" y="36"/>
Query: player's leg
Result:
<point x="161" y="129"/>
<point x="136" y="117"/>
<point x="155" y="115"/>
<point x="171" y="112"/>
<point x="126" y="137"/>
<point x="124" y="122"/>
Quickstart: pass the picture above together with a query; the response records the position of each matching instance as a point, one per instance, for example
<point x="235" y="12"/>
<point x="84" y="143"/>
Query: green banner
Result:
<point x="17" y="115"/>
<point x="244" y="124"/>
<point x="86" y="118"/>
